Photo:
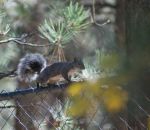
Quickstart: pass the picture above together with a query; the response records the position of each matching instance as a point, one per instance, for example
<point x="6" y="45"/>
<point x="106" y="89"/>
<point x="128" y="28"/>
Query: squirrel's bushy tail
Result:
<point x="29" y="66"/>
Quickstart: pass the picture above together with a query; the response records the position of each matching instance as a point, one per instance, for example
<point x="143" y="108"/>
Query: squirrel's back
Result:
<point x="60" y="69"/>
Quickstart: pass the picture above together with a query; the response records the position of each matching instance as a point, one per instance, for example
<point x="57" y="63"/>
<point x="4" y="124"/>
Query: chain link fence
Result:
<point x="44" y="108"/>
<point x="33" y="108"/>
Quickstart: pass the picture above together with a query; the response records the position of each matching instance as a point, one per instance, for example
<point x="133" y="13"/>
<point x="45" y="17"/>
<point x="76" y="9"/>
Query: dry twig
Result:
<point x="21" y="39"/>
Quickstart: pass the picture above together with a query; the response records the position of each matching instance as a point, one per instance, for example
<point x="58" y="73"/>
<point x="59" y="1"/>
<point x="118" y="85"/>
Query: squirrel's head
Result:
<point x="78" y="63"/>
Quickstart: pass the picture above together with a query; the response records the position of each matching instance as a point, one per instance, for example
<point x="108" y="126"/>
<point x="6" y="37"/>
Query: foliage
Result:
<point x="59" y="112"/>
<point x="92" y="71"/>
<point x="76" y="17"/>
<point x="55" y="32"/>
<point x="7" y="51"/>
<point x="5" y="27"/>
<point x="71" y="22"/>
<point x="6" y="55"/>
<point x="103" y="84"/>
<point x="83" y="94"/>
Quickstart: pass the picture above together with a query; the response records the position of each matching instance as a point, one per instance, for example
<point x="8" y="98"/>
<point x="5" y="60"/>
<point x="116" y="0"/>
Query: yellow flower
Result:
<point x="114" y="99"/>
<point x="75" y="89"/>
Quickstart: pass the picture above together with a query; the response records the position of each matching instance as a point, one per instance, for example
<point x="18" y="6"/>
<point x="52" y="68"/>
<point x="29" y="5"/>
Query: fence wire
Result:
<point x="44" y="109"/>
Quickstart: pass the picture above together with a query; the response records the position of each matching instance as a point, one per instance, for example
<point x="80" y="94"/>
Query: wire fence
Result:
<point x="30" y="108"/>
<point x="44" y="108"/>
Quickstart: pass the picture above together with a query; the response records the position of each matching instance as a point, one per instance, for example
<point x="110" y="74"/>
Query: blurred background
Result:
<point x="112" y="38"/>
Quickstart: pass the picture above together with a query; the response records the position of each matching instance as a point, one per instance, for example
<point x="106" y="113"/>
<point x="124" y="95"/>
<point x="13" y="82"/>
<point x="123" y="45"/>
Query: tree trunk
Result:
<point x="133" y="34"/>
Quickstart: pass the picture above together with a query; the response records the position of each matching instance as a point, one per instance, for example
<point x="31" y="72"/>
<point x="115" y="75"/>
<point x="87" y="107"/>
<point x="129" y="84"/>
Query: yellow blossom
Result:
<point x="115" y="99"/>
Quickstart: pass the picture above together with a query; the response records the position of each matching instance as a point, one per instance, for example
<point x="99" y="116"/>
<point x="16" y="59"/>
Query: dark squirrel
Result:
<point x="30" y="66"/>
<point x="60" y="71"/>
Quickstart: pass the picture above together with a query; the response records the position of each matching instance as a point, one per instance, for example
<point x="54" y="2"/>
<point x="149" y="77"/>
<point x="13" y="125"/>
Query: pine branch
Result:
<point x="74" y="20"/>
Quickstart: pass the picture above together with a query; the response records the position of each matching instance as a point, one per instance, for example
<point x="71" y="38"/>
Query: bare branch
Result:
<point x="21" y="43"/>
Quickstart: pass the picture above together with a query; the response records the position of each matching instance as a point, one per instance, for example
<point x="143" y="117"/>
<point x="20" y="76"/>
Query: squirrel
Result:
<point x="60" y="71"/>
<point x="30" y="66"/>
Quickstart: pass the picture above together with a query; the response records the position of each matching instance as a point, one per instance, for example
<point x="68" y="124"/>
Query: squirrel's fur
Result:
<point x="30" y="66"/>
<point x="60" y="70"/>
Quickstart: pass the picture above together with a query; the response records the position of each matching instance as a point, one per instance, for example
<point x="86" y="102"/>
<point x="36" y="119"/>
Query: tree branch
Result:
<point x="17" y="40"/>
<point x="21" y="41"/>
